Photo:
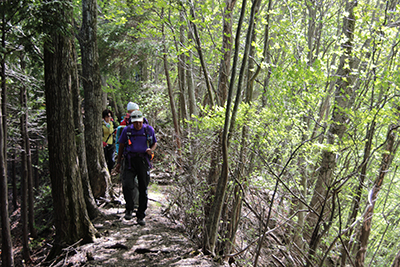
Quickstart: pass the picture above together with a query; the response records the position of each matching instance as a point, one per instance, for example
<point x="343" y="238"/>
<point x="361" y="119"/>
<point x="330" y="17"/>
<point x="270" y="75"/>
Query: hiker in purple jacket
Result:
<point x="136" y="146"/>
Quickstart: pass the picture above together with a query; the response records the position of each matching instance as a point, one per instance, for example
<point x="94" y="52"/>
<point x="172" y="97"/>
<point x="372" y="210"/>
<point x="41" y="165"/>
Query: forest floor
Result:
<point x="121" y="242"/>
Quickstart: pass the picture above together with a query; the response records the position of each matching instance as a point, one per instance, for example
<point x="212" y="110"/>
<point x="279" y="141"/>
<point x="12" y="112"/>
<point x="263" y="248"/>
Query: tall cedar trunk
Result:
<point x="27" y="148"/>
<point x="24" y="180"/>
<point x="170" y="93"/>
<point x="91" y="206"/>
<point x="373" y="196"/>
<point x="335" y="133"/>
<point x="36" y="163"/>
<point x="14" y="181"/>
<point x="71" y="219"/>
<point x="6" y="244"/>
<point x="100" y="179"/>
<point x="7" y="257"/>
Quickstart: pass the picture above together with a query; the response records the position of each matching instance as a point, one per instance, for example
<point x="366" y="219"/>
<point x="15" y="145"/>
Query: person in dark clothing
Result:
<point x="136" y="146"/>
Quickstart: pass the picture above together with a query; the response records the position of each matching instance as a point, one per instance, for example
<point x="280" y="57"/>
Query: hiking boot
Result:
<point x="141" y="222"/>
<point x="128" y="215"/>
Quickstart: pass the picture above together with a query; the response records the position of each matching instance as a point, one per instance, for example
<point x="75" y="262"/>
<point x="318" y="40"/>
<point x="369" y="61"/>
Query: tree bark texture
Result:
<point x="193" y="29"/>
<point x="91" y="206"/>
<point x="24" y="179"/>
<point x="225" y="65"/>
<point x="6" y="244"/>
<point x="28" y="151"/>
<point x="396" y="262"/>
<point x="373" y="195"/>
<point x="243" y="155"/>
<point x="190" y="82"/>
<point x="216" y="209"/>
<point x="14" y="181"/>
<point x="100" y="179"/>
<point x="335" y="133"/>
<point x="171" y="95"/>
<point x="71" y="219"/>
<point x="181" y="73"/>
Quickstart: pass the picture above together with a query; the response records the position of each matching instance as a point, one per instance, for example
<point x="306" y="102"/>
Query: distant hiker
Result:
<point x="130" y="108"/>
<point x="108" y="144"/>
<point x="137" y="144"/>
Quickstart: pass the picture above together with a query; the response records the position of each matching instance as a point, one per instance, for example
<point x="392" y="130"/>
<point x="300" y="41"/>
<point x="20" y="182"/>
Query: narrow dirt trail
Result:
<point x="125" y="243"/>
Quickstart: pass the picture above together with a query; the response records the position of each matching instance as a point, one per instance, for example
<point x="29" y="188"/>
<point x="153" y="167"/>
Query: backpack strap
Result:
<point x="149" y="138"/>
<point x="108" y="138"/>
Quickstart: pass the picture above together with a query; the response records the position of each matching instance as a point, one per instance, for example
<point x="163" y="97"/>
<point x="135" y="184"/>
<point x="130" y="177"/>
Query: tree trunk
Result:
<point x="181" y="72"/>
<point x="334" y="135"/>
<point x="357" y="196"/>
<point x="171" y="95"/>
<point x="24" y="178"/>
<point x="190" y="83"/>
<point x="28" y="151"/>
<point x="373" y="196"/>
<point x="6" y="244"/>
<point x="213" y="220"/>
<point x="396" y="262"/>
<point x="100" y="179"/>
<point x="243" y="155"/>
<point x="193" y="29"/>
<point x="14" y="181"/>
<point x="71" y="219"/>
<point x="91" y="206"/>
<point x="36" y="162"/>
<point x="225" y="65"/>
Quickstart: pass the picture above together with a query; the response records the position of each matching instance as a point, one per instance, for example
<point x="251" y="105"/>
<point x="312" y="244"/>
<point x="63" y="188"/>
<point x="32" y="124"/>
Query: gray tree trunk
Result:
<point x="195" y="33"/>
<point x="343" y="100"/>
<point x="7" y="257"/>
<point x="215" y="213"/>
<point x="396" y="262"/>
<point x="373" y="195"/>
<point x="171" y="95"/>
<point x="93" y="210"/>
<point x="243" y="155"/>
<point x="181" y="72"/>
<point x="222" y="91"/>
<point x="71" y="219"/>
<point x="28" y="151"/>
<point x="99" y="176"/>
<point x="6" y="244"/>
<point x="24" y="178"/>
<point x="225" y="65"/>
<point x="190" y="83"/>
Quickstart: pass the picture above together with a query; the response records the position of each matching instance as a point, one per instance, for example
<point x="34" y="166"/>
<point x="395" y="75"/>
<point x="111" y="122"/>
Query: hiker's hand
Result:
<point x="149" y="151"/>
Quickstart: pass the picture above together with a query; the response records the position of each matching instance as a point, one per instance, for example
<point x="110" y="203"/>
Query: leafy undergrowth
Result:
<point x="123" y="242"/>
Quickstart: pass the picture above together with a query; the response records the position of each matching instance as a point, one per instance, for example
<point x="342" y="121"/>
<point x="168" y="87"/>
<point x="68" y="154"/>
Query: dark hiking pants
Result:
<point x="140" y="168"/>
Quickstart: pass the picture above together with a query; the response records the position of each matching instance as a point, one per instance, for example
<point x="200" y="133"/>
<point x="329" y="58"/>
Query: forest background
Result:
<point x="282" y="116"/>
